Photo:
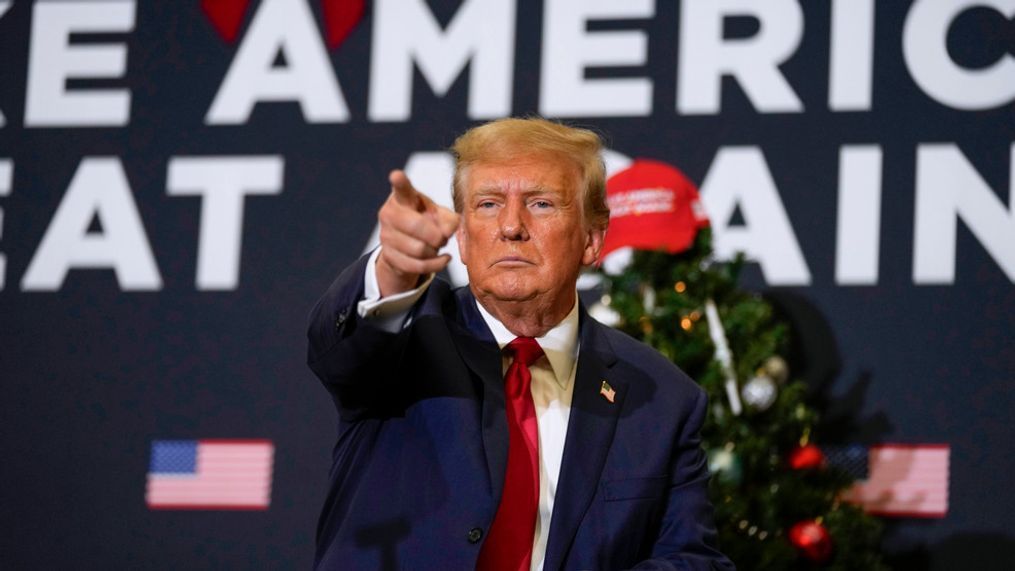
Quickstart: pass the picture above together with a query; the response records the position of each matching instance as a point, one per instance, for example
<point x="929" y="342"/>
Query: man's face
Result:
<point x="522" y="236"/>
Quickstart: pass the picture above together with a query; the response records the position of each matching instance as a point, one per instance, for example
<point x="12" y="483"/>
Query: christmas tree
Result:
<point x="778" y="502"/>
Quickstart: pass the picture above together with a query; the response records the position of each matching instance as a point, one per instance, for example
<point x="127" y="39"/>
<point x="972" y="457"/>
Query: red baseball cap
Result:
<point x="653" y="206"/>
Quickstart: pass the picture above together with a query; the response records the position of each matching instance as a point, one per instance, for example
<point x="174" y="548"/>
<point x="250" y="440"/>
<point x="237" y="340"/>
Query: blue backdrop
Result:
<point x="179" y="181"/>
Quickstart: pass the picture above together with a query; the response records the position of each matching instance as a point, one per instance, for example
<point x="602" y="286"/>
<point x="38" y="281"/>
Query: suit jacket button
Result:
<point x="475" y="534"/>
<point x="340" y="318"/>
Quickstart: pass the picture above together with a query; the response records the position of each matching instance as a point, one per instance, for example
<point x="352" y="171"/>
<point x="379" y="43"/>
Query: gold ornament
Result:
<point x="776" y="368"/>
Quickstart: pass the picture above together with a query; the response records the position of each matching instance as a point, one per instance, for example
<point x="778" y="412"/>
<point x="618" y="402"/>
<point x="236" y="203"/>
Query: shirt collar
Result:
<point x="560" y="344"/>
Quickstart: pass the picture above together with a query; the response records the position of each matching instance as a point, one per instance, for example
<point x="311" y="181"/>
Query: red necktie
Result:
<point x="509" y="545"/>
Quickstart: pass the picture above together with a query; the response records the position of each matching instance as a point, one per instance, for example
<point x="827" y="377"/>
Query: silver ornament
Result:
<point x="760" y="392"/>
<point x="726" y="464"/>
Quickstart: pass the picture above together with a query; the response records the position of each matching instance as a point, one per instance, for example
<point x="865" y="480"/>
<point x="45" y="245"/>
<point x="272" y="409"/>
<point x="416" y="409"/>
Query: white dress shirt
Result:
<point x="552" y="382"/>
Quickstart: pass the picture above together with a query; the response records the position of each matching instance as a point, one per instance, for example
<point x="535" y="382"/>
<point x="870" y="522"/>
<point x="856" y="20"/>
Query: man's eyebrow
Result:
<point x="499" y="189"/>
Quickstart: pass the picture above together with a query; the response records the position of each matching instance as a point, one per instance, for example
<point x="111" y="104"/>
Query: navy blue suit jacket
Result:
<point x="419" y="464"/>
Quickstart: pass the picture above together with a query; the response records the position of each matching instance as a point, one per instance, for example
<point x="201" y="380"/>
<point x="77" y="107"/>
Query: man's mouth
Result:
<point x="512" y="262"/>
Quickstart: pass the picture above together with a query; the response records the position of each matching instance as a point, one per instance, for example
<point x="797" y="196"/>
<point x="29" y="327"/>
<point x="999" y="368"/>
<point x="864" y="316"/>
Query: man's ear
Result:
<point x="463" y="242"/>
<point x="593" y="245"/>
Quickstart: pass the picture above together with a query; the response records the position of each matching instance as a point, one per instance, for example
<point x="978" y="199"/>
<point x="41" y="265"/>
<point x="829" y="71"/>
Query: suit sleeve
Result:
<point x="687" y="538"/>
<point x="354" y="358"/>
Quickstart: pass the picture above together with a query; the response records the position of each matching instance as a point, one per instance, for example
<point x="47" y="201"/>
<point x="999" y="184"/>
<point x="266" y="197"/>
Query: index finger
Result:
<point x="403" y="190"/>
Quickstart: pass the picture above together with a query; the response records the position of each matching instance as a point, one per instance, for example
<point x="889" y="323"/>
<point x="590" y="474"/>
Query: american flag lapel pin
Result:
<point x="607" y="391"/>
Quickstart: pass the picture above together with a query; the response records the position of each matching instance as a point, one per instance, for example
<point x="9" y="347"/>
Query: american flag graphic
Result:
<point x="900" y="480"/>
<point x="210" y="474"/>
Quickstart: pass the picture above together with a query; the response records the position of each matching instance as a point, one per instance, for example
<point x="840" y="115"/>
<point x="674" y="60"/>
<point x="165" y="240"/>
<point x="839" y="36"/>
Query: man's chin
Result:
<point x="507" y="292"/>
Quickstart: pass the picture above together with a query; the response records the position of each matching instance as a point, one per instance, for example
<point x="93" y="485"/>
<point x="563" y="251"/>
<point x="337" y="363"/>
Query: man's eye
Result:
<point x="541" y="204"/>
<point x="486" y="204"/>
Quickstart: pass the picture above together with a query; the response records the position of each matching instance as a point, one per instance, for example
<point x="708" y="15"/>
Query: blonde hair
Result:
<point x="505" y="139"/>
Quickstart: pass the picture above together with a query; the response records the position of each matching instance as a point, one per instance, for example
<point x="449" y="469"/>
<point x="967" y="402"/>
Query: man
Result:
<point x="498" y="426"/>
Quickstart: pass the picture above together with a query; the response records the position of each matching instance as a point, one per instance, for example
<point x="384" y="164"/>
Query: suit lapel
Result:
<point x="591" y="425"/>
<point x="479" y="350"/>
<point x="590" y="432"/>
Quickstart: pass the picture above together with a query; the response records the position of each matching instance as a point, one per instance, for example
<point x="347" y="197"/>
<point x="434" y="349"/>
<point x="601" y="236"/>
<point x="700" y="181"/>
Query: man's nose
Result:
<point x="512" y="221"/>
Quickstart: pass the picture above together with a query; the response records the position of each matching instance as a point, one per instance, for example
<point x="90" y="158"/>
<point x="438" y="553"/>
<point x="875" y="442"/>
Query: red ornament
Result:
<point x="812" y="540"/>
<point x="806" y="457"/>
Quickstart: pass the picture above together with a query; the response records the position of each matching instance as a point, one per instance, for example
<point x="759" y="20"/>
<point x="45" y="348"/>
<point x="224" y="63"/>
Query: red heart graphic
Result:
<point x="226" y="16"/>
<point x="340" y="17"/>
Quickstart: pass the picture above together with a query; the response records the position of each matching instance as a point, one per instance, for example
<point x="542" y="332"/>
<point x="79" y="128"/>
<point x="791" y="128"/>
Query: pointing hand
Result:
<point x="413" y="230"/>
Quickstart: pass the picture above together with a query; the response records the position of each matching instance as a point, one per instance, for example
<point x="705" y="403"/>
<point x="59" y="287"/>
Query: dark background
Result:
<point x="90" y="375"/>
